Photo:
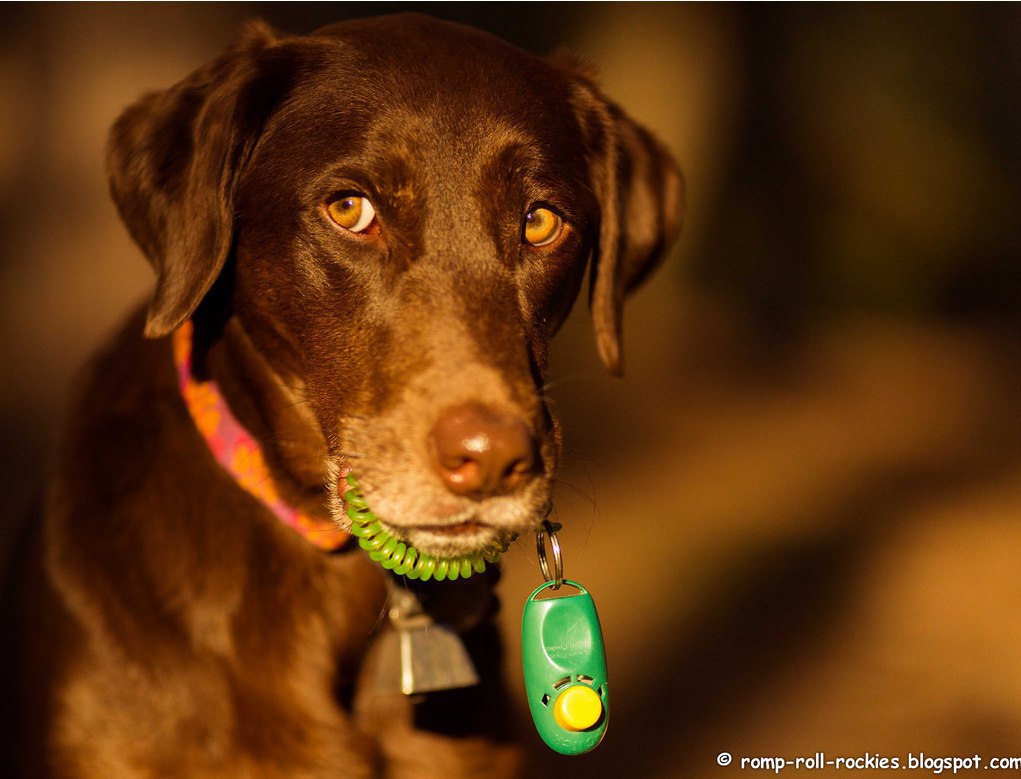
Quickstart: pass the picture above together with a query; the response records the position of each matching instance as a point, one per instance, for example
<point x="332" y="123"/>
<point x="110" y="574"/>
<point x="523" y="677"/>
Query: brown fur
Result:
<point x="167" y="623"/>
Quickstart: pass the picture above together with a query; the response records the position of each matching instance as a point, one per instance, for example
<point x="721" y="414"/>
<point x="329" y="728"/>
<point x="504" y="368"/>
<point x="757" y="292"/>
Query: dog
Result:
<point x="363" y="239"/>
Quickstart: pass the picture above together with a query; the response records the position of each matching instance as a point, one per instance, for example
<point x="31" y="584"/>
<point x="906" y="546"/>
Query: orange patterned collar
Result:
<point x="238" y="453"/>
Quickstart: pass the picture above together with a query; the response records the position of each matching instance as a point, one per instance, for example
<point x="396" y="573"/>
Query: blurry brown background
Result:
<point x="800" y="514"/>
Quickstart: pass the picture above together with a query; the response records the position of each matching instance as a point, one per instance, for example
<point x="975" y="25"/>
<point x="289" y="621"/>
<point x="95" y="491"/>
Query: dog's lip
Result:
<point x="450" y="526"/>
<point x="453" y="539"/>
<point x="464" y="528"/>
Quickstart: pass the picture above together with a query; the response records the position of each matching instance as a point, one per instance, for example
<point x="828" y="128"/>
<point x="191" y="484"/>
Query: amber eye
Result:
<point x="352" y="212"/>
<point x="542" y="226"/>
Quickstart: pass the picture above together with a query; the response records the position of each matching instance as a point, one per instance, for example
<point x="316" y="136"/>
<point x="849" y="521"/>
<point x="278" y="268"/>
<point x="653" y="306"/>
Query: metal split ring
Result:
<point x="550" y="529"/>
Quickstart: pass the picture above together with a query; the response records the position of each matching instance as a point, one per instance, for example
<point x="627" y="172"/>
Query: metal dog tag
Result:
<point x="420" y="655"/>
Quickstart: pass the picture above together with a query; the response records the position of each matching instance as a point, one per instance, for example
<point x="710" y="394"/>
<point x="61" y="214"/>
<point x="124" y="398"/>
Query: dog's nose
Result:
<point x="480" y="452"/>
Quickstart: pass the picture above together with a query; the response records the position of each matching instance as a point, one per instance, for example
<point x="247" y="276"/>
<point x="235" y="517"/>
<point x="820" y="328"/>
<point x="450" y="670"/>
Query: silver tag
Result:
<point x="419" y="655"/>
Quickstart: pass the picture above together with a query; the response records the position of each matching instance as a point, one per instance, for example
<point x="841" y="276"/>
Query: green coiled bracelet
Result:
<point x="403" y="559"/>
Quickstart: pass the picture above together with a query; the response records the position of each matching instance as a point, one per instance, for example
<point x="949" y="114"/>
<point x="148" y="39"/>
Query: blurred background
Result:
<point x="800" y="513"/>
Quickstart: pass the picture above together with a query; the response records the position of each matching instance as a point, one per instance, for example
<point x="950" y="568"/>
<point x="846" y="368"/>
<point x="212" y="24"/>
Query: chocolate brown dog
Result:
<point x="373" y="231"/>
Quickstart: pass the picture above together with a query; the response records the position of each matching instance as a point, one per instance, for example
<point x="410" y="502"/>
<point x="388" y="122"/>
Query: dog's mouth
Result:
<point x="454" y="549"/>
<point x="465" y="537"/>
<point x="468" y="528"/>
<point x="448" y="534"/>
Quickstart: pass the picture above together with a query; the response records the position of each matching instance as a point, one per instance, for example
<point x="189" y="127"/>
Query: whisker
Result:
<point x="588" y="496"/>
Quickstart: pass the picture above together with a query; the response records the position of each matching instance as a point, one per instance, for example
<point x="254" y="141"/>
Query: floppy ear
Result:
<point x="641" y="197"/>
<point x="173" y="160"/>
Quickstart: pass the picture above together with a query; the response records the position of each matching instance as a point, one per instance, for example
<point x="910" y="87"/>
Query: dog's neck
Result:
<point x="238" y="452"/>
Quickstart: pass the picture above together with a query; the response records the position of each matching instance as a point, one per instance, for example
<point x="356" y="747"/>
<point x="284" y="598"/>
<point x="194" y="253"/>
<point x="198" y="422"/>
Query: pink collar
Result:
<point x="237" y="452"/>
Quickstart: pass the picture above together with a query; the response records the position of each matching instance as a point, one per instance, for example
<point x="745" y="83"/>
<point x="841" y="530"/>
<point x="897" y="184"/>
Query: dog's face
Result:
<point x="396" y="215"/>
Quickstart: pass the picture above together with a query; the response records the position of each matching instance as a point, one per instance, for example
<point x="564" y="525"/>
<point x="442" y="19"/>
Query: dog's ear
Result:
<point x="641" y="198"/>
<point x="173" y="161"/>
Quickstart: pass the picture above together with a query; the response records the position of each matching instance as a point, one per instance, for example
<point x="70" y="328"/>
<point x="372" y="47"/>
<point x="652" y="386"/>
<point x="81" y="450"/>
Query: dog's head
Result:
<point x="384" y="222"/>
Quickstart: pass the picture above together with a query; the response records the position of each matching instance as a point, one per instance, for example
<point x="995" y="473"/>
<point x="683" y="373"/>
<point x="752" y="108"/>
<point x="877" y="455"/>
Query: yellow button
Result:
<point x="577" y="708"/>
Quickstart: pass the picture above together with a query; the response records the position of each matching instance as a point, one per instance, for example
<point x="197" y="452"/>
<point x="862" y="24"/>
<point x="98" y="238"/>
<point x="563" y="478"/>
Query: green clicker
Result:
<point x="564" y="664"/>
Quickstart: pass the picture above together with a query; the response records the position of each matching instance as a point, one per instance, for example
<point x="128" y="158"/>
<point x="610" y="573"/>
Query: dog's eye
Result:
<point x="352" y="212"/>
<point x="542" y="226"/>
